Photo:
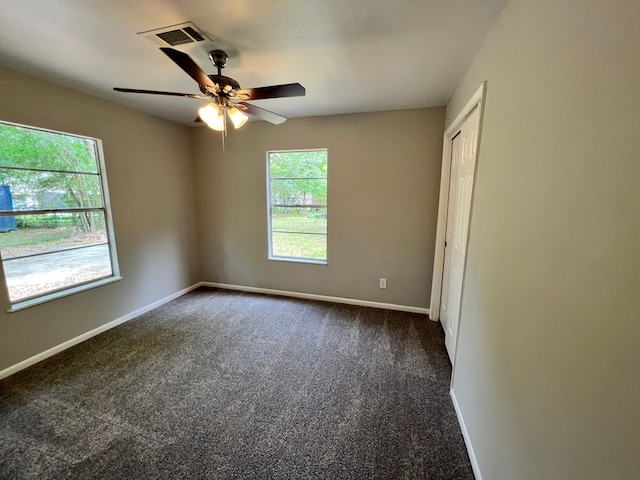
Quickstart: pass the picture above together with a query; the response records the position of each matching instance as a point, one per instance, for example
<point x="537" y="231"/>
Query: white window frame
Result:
<point x="111" y="243"/>
<point x="280" y="258"/>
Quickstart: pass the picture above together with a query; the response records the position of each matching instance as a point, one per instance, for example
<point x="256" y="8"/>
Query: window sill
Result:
<point x="62" y="293"/>
<point x="298" y="260"/>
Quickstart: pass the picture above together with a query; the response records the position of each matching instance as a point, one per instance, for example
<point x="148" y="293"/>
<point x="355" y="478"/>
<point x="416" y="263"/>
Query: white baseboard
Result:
<point x="92" y="333"/>
<point x="467" y="440"/>
<point x="96" y="331"/>
<point x="323" y="298"/>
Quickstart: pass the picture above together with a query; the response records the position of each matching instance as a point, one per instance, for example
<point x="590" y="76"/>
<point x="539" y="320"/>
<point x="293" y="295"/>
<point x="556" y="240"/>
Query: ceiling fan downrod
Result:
<point x="219" y="59"/>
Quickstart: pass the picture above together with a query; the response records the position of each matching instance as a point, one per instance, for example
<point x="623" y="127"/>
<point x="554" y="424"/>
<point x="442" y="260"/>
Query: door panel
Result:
<point x="463" y="158"/>
<point x="447" y="278"/>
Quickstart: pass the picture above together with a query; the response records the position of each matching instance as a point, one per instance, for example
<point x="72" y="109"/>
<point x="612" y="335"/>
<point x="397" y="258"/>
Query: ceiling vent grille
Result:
<point x="174" y="35"/>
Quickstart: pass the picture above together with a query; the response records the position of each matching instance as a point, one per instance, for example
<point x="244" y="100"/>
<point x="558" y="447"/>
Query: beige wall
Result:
<point x="150" y="173"/>
<point x="384" y="171"/>
<point x="548" y="366"/>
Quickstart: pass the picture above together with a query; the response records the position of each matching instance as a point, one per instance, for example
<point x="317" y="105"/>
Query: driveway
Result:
<point x="34" y="275"/>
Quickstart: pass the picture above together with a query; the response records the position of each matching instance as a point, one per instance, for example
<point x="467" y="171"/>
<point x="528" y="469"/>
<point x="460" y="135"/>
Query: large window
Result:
<point x="297" y="205"/>
<point x="56" y="235"/>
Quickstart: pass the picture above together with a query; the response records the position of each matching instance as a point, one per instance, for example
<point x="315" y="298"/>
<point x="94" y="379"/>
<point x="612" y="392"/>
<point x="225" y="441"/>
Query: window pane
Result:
<point x="301" y="245"/>
<point x="31" y="148"/>
<point x="41" y="190"/>
<point x="303" y="164"/>
<point x="299" y="220"/>
<point x="50" y="252"/>
<point x="298" y="204"/>
<point x="299" y="192"/>
<point x="47" y="253"/>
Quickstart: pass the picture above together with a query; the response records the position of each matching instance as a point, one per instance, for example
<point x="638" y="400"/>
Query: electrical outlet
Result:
<point x="383" y="283"/>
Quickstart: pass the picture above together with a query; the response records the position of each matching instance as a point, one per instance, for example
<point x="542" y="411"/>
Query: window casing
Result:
<point x="297" y="205"/>
<point x="56" y="233"/>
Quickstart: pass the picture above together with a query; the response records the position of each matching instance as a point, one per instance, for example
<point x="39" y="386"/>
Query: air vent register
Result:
<point x="175" y="35"/>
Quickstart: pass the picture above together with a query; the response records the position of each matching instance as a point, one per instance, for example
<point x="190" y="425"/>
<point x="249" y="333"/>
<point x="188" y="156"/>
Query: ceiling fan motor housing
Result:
<point x="222" y="81"/>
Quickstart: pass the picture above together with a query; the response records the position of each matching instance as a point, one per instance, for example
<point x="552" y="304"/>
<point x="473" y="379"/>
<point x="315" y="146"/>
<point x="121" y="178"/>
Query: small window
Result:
<point x="297" y="205"/>
<point x="56" y="234"/>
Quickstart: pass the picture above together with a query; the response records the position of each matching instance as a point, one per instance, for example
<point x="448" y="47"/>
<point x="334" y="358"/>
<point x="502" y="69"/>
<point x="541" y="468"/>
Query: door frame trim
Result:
<point x="443" y="204"/>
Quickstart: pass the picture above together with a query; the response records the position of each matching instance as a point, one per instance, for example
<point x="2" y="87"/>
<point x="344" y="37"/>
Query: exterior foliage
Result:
<point x="299" y="177"/>
<point x="298" y="204"/>
<point x="54" y="233"/>
<point x="50" y="171"/>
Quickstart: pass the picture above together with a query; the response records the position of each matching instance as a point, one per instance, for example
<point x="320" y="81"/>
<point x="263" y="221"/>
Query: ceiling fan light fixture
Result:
<point x="224" y="92"/>
<point x="212" y="115"/>
<point x="237" y="117"/>
<point x="218" y="123"/>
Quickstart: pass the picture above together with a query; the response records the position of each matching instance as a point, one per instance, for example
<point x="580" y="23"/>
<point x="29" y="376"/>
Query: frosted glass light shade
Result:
<point x="237" y="117"/>
<point x="212" y="116"/>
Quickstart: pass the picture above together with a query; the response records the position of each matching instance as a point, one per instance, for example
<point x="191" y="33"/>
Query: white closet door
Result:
<point x="463" y="161"/>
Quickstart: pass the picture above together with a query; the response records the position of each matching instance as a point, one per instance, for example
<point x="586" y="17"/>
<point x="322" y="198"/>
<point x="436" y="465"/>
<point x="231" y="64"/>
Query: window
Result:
<point x="56" y="235"/>
<point x="297" y="205"/>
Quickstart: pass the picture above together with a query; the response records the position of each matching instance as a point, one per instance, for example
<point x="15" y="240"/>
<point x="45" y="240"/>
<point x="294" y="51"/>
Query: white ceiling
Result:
<point x="350" y="55"/>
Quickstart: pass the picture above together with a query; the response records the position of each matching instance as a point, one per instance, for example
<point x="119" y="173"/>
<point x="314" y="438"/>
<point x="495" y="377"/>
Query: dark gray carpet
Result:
<point x="222" y="385"/>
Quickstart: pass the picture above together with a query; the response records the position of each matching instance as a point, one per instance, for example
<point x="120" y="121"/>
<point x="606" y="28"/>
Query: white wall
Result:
<point x="150" y="173"/>
<point x="548" y="366"/>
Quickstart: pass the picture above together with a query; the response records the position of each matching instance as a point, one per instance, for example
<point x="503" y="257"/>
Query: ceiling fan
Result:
<point x="228" y="98"/>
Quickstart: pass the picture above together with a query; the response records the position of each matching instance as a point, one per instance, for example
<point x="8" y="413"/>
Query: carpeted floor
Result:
<point x="226" y="385"/>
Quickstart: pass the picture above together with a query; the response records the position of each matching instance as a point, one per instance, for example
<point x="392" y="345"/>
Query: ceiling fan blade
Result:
<point x="198" y="119"/>
<point x="274" y="91"/>
<point x="263" y="114"/>
<point x="192" y="69"/>
<point x="156" y="92"/>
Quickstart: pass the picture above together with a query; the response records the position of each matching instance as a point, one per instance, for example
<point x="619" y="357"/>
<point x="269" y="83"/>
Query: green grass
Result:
<point x="298" y="223"/>
<point x="299" y="244"/>
<point x="24" y="237"/>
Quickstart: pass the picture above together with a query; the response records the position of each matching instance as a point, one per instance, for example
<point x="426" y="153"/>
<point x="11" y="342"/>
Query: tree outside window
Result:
<point x="297" y="202"/>
<point x="55" y="228"/>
